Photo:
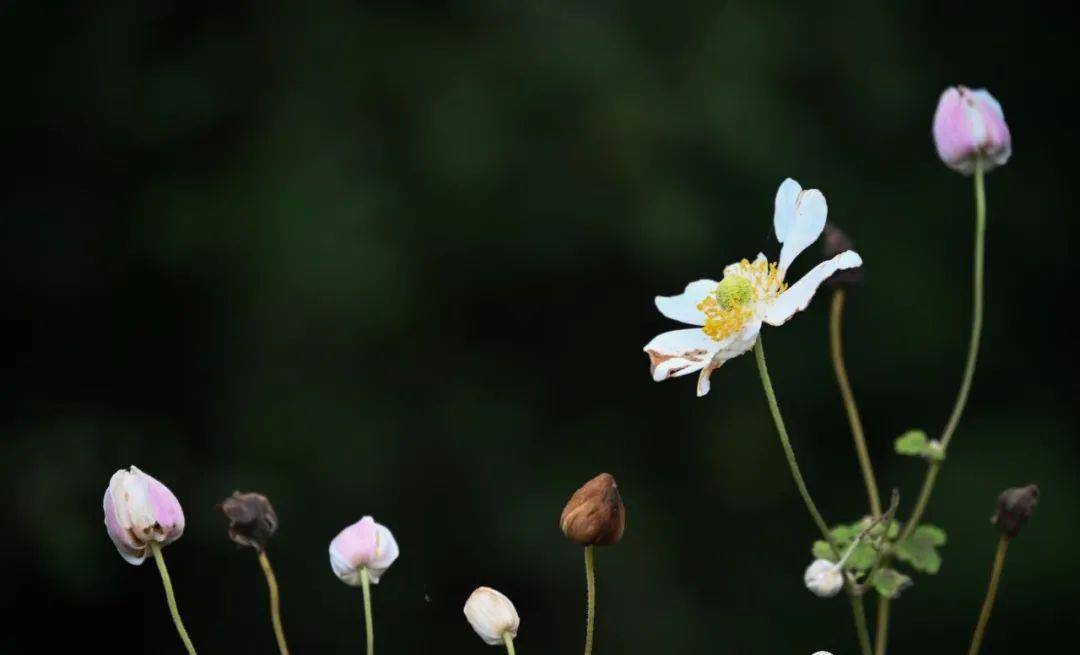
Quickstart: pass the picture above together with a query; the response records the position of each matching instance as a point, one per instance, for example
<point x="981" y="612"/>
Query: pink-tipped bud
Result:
<point x="140" y="510"/>
<point x="363" y="545"/>
<point x="969" y="127"/>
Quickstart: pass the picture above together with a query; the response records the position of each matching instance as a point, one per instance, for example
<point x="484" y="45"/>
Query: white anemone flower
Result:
<point x="729" y="313"/>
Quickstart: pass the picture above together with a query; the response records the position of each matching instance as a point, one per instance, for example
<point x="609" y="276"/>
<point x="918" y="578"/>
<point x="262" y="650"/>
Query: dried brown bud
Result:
<point x="595" y="515"/>
<point x="252" y="519"/>
<point x="834" y="243"/>
<point x="1014" y="507"/>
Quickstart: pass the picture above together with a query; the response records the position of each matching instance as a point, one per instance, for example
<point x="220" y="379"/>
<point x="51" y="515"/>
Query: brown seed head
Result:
<point x="1014" y="507"/>
<point x="252" y="519"/>
<point x="595" y="515"/>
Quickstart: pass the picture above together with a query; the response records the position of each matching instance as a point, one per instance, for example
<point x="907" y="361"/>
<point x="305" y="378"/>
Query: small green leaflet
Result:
<point x="889" y="583"/>
<point x="920" y="549"/>
<point x="916" y="444"/>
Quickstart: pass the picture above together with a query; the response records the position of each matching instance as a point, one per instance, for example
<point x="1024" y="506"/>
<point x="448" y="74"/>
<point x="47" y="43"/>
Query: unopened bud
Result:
<point x="969" y="128"/>
<point x="824" y="578"/>
<point x="595" y="515"/>
<point x="492" y="616"/>
<point x="835" y="241"/>
<point x="140" y="511"/>
<point x="1014" y="507"/>
<point x="252" y="519"/>
<point x="363" y="545"/>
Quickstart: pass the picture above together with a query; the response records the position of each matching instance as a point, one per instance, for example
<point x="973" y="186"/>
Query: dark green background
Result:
<point x="399" y="259"/>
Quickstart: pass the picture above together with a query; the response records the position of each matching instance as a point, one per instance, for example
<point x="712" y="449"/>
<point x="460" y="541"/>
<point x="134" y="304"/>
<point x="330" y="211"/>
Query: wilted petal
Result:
<point x="683" y="307"/>
<point x="679" y="352"/>
<point x="798" y="296"/>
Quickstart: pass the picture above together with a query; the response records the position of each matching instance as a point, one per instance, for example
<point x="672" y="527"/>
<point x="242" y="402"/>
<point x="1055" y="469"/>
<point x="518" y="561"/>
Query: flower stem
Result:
<point x="365" y="584"/>
<point x="837" y="350"/>
<point x="275" y="602"/>
<point x="155" y="548"/>
<point x="770" y="395"/>
<point x="590" y="606"/>
<point x="972" y="356"/>
<point x="881" y="634"/>
<point x="991" y="594"/>
<point x="860" y="623"/>
<point x="509" y="641"/>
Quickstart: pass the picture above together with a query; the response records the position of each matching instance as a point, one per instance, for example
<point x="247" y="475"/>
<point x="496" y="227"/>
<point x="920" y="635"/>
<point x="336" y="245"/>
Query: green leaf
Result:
<point x="822" y="550"/>
<point x="916" y="444"/>
<point x="862" y="558"/>
<point x="920" y="549"/>
<point x="890" y="583"/>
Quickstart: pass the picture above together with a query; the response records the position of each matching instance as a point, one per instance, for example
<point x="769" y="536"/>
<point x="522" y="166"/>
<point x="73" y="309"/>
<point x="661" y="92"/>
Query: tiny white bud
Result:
<point x="822" y="652"/>
<point x="491" y="615"/>
<point x="824" y="578"/>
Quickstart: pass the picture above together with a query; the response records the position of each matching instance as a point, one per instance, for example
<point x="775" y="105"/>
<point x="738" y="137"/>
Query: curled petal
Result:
<point x="679" y="352"/>
<point x="796" y="298"/>
<point x="683" y="307"/>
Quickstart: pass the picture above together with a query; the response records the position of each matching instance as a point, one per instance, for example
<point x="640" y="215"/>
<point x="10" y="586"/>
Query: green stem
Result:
<point x="860" y="623"/>
<point x="973" y="351"/>
<point x="365" y="584"/>
<point x="770" y="395"/>
<point x="275" y="602"/>
<point x="837" y="350"/>
<point x="155" y="548"/>
<point x="590" y="606"/>
<point x="509" y="641"/>
<point x="991" y="594"/>
<point x="881" y="635"/>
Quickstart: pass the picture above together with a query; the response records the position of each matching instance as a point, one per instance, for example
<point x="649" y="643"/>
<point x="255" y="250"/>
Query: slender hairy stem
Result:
<point x="881" y="634"/>
<point x="365" y="584"/>
<point x="837" y="349"/>
<point x="770" y="395"/>
<point x="973" y="350"/>
<point x="860" y="623"/>
<point x="509" y="641"/>
<point x="155" y="548"/>
<point x="275" y="602"/>
<point x="991" y="594"/>
<point x="590" y="602"/>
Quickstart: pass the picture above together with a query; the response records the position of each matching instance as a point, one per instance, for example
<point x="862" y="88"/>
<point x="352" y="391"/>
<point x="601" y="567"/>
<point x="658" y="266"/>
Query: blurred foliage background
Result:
<point x="399" y="259"/>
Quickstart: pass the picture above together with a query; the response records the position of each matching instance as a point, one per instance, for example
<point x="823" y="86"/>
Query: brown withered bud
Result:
<point x="1014" y="507"/>
<point x="595" y="515"/>
<point x="834" y="243"/>
<point x="252" y="519"/>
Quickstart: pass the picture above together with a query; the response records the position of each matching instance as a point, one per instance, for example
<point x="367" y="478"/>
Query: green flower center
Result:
<point x="734" y="291"/>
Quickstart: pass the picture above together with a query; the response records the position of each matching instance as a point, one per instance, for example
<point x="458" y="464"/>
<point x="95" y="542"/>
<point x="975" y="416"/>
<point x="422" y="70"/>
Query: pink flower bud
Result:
<point x="969" y="126"/>
<point x="363" y="545"/>
<point x="140" y="510"/>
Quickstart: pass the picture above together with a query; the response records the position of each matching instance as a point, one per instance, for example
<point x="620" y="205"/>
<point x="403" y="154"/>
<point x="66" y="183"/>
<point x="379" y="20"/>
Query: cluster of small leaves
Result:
<point x="915" y="443"/>
<point x="919" y="550"/>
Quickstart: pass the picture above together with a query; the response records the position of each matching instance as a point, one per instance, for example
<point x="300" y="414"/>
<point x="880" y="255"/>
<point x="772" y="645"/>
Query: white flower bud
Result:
<point x="824" y="578"/>
<point x="491" y="615"/>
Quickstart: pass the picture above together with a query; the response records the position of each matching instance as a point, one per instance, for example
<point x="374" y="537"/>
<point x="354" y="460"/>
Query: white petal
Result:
<point x="784" y="208"/>
<point x="730" y="348"/>
<point x="387" y="551"/>
<point x="798" y="296"/>
<point x="683" y="307"/>
<point x="810" y="212"/>
<point x="679" y="352"/>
